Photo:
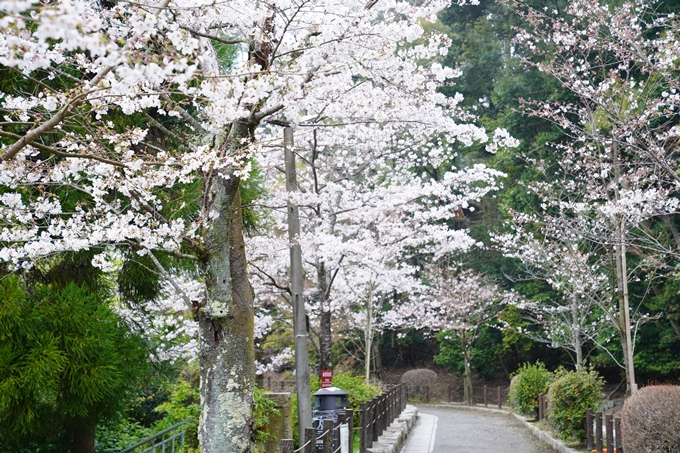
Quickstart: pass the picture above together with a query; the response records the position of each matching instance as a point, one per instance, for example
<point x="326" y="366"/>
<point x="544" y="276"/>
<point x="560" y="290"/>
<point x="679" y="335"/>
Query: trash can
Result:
<point x="327" y="405"/>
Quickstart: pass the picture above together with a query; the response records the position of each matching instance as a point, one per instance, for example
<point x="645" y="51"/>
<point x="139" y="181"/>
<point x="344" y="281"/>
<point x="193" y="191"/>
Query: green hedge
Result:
<point x="527" y="383"/>
<point x="570" y="394"/>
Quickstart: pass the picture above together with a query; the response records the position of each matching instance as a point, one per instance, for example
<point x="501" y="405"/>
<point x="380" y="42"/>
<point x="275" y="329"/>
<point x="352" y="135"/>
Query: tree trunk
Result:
<point x="467" y="374"/>
<point x="377" y="358"/>
<point x="325" y="331"/>
<point x="675" y="327"/>
<point x="624" y="315"/>
<point x="83" y="436"/>
<point x="576" y="331"/>
<point x="226" y="327"/>
<point x="369" y="334"/>
<point x="622" y="282"/>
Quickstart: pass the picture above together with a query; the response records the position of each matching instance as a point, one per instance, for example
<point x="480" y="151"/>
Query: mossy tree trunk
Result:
<point x="226" y="322"/>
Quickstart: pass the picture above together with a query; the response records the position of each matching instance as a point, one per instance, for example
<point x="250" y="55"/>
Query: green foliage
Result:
<point x="450" y="355"/>
<point x="486" y="353"/>
<point x="113" y="437"/>
<point x="657" y="343"/>
<point x="263" y="410"/>
<point x="252" y="191"/>
<point x="359" y="391"/>
<point x="184" y="404"/>
<point x="65" y="359"/>
<point x="570" y="394"/>
<point x="528" y="382"/>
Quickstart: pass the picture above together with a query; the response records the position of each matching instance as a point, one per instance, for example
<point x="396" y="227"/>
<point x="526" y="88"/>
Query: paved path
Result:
<point x="451" y="430"/>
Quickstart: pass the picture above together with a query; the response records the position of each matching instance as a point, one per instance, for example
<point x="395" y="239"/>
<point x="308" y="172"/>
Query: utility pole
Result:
<point x="299" y="319"/>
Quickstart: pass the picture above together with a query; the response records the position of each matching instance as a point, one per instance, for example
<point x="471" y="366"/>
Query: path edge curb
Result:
<point x="545" y="437"/>
<point x="394" y="437"/>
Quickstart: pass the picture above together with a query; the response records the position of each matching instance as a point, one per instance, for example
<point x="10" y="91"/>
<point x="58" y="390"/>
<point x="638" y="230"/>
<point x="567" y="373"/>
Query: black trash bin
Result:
<point x="327" y="405"/>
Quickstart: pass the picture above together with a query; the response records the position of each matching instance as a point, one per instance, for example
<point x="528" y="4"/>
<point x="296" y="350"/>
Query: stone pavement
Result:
<point x="421" y="438"/>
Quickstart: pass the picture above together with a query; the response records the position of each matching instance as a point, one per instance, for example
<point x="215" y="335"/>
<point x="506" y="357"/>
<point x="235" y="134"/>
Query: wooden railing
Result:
<point x="495" y="396"/>
<point x="374" y="417"/>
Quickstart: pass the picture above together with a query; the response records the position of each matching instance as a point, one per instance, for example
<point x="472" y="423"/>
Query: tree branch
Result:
<point x="213" y="37"/>
<point x="56" y="152"/>
<point x="172" y="281"/>
<point x="189" y="119"/>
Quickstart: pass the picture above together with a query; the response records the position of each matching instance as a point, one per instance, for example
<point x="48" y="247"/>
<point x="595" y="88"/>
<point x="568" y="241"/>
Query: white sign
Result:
<point x="344" y="438"/>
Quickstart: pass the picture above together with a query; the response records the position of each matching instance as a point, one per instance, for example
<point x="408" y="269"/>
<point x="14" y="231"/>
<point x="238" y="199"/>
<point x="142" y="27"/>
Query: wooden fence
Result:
<point x="374" y="417"/>
<point x="601" y="431"/>
<point x="609" y="432"/>
<point x="482" y="395"/>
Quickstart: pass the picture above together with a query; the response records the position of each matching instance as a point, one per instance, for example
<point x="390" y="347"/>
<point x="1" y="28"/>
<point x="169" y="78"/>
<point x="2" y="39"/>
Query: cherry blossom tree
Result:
<point x="619" y="64"/>
<point x="459" y="303"/>
<point x="559" y="257"/>
<point x="361" y="223"/>
<point x="133" y="108"/>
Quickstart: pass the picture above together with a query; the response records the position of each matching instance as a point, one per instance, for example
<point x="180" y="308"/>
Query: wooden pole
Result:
<point x="598" y="432"/>
<point x="310" y="440"/>
<point x="363" y="427"/>
<point x="376" y="420"/>
<point x="303" y="390"/>
<point x="609" y="424"/>
<point x="286" y="445"/>
<point x="349" y="418"/>
<point x="486" y="404"/>
<point x="372" y="414"/>
<point x="327" y="436"/>
<point x="589" y="429"/>
<point x="500" y="403"/>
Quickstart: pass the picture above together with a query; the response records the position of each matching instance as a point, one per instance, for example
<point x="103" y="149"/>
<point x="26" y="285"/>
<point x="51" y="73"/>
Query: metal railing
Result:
<point x="166" y="441"/>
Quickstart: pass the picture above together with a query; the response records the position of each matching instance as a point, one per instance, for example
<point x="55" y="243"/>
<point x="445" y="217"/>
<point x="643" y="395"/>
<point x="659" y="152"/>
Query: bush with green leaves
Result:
<point x="67" y="363"/>
<point x="262" y="412"/>
<point x="528" y="382"/>
<point x="181" y="403"/>
<point x="359" y="391"/>
<point x="570" y="394"/>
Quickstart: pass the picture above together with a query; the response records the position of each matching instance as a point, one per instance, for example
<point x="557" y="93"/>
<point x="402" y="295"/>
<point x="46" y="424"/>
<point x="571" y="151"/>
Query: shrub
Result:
<point x="262" y="411"/>
<point x="570" y="394"/>
<point x="417" y="380"/>
<point x="651" y="420"/>
<point x="527" y="383"/>
<point x="359" y="391"/>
